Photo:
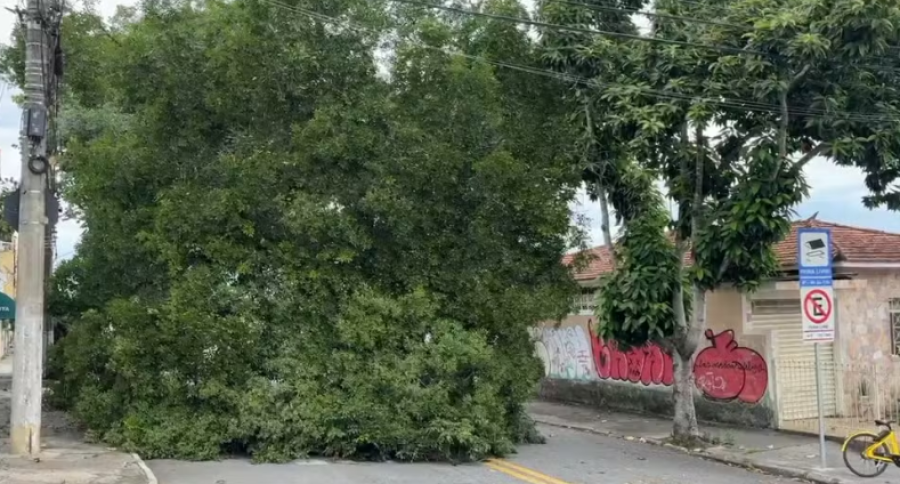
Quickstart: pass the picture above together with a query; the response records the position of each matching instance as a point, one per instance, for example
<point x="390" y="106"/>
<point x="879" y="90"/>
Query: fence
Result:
<point x="854" y="395"/>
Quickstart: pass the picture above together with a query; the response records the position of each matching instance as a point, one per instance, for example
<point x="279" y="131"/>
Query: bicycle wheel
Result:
<point x="856" y="460"/>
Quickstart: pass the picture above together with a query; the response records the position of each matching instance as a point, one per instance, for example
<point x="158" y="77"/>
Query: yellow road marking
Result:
<point x="522" y="473"/>
<point x="509" y="472"/>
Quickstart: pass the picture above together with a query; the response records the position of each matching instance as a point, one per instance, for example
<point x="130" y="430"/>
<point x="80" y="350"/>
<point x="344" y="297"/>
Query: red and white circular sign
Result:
<point x="817" y="306"/>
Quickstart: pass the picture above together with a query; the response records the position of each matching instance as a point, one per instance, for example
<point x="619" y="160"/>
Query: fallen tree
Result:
<point x="286" y="251"/>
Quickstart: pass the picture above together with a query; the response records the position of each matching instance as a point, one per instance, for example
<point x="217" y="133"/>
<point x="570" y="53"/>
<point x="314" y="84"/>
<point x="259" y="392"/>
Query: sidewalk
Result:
<point x="65" y="458"/>
<point x="768" y="450"/>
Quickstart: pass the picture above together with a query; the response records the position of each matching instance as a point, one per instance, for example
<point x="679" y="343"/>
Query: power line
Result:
<point x="604" y="8"/>
<point x="733" y="103"/>
<point x="686" y="19"/>
<point x="522" y="21"/>
<point x="625" y="36"/>
<point x="619" y="35"/>
<point x="748" y="105"/>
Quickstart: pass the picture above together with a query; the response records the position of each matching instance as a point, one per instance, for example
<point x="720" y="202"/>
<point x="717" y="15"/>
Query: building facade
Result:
<point x="753" y="368"/>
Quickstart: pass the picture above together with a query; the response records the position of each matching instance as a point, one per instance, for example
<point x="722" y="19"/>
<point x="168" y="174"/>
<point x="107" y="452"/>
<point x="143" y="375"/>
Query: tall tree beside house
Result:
<point x="726" y="103"/>
<point x="599" y="152"/>
<point x="288" y="252"/>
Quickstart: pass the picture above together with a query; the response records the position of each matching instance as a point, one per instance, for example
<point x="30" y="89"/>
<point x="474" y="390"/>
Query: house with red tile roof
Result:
<point x="754" y="367"/>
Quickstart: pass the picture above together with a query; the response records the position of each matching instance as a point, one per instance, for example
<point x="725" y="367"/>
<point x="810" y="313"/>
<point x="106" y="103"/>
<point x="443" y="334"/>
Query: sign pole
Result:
<point x="815" y="269"/>
<point x="821" y="413"/>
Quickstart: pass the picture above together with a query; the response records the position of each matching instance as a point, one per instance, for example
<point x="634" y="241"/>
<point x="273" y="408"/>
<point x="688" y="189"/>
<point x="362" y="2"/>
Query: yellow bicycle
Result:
<point x="875" y="451"/>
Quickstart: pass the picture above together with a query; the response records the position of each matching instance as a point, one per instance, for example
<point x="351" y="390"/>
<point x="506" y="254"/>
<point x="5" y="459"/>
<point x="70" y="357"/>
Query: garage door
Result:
<point x="795" y="368"/>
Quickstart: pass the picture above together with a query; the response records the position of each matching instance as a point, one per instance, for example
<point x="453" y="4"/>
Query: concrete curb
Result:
<point x="706" y="454"/>
<point x="151" y="477"/>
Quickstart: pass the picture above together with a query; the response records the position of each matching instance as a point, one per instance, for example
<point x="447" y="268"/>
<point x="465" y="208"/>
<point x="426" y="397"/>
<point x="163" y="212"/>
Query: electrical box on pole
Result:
<point x="36" y="119"/>
<point x="11" y="208"/>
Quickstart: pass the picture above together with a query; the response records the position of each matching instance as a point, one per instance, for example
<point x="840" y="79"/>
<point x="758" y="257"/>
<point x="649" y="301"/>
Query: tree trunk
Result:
<point x="689" y="327"/>
<point x="685" y="421"/>
<point x="685" y="350"/>
<point x="604" y="219"/>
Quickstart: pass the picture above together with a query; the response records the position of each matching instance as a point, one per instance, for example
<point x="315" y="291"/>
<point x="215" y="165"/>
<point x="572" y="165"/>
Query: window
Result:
<point x="586" y="303"/>
<point x="894" y="316"/>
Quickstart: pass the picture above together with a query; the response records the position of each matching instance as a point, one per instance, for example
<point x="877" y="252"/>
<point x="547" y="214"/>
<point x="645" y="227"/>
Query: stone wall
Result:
<point x="868" y="370"/>
<point x="651" y="401"/>
<point x="864" y="325"/>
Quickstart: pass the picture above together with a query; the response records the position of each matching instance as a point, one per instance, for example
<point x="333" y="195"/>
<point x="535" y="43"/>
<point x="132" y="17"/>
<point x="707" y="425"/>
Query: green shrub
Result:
<point x="386" y="379"/>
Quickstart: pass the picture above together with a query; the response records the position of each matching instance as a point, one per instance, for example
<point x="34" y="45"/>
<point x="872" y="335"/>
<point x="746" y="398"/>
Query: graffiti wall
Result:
<point x="723" y="371"/>
<point x="566" y="353"/>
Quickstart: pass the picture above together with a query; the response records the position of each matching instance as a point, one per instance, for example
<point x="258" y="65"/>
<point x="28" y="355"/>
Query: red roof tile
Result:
<point x="849" y="244"/>
<point x="598" y="263"/>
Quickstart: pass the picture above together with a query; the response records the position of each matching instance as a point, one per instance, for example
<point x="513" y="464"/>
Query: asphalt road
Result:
<point x="569" y="457"/>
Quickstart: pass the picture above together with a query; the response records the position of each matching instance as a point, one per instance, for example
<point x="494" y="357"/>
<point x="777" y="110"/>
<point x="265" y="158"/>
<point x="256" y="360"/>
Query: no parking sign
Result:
<point x="816" y="284"/>
<point x="818" y="313"/>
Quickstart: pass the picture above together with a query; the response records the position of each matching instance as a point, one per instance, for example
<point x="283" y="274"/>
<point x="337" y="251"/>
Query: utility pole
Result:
<point x="41" y="35"/>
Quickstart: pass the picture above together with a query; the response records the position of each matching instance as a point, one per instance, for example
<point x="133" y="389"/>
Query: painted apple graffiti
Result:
<point x="726" y="371"/>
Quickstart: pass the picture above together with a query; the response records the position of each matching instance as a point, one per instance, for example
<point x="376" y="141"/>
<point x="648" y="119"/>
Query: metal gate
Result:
<point x="795" y="368"/>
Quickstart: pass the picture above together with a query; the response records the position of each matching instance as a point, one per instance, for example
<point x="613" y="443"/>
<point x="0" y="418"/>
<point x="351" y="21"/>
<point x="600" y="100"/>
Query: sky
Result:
<point x="836" y="192"/>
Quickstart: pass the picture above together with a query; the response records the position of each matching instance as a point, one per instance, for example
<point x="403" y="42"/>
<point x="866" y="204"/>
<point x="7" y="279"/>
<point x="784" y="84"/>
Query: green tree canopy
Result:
<point x="293" y="247"/>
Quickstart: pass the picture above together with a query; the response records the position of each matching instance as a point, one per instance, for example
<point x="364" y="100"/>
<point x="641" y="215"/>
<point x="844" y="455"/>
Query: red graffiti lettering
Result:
<point x="602" y="356"/>
<point x="657" y="367"/>
<point x="726" y="371"/>
<point x="647" y="365"/>
<point x="723" y="372"/>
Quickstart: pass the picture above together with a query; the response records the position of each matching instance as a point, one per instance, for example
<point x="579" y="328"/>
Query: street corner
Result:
<point x="75" y="464"/>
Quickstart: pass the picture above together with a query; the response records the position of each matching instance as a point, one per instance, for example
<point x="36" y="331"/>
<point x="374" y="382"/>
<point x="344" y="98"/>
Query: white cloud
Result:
<point x="68" y="233"/>
<point x="835" y="194"/>
<point x="833" y="183"/>
<point x="9" y="156"/>
<point x="7" y="19"/>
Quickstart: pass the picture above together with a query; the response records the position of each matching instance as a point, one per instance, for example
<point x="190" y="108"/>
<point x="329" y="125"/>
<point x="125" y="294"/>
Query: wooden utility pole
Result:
<point x="41" y="30"/>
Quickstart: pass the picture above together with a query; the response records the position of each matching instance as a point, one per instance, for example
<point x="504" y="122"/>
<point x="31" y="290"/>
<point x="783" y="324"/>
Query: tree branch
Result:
<point x="818" y="150"/>
<point x="797" y="78"/>
<point x="604" y="221"/>
<point x="601" y="189"/>
<point x="697" y="204"/>
<point x="783" y="130"/>
<point x="786" y="120"/>
<point x="722" y="268"/>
